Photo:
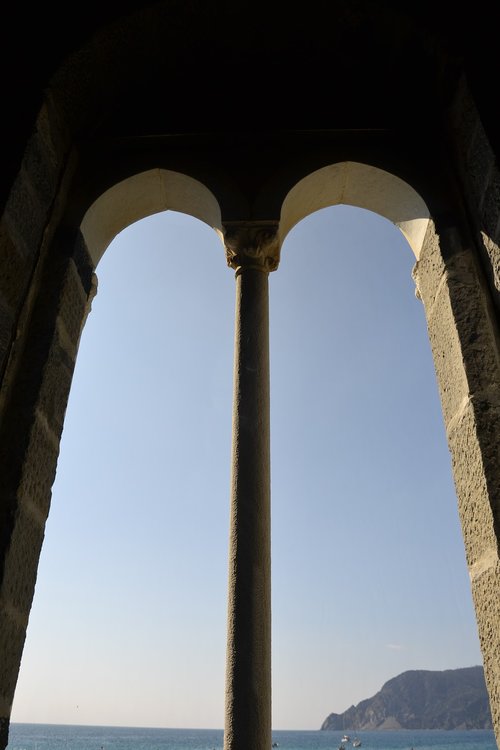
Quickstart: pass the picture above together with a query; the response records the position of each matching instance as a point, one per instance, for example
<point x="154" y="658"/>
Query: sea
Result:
<point x="71" y="737"/>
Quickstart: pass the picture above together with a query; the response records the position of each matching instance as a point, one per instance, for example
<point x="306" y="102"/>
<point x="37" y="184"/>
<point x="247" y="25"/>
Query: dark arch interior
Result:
<point x="147" y="82"/>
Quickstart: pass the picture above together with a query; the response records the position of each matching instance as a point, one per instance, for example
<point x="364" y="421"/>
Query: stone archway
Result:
<point x="459" y="321"/>
<point x="80" y="125"/>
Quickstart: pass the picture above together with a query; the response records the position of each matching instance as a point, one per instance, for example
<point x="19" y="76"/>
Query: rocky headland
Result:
<point x="422" y="699"/>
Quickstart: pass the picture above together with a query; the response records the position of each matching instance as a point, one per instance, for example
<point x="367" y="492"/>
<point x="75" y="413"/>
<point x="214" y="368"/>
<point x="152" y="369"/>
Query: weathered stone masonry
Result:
<point x="247" y="118"/>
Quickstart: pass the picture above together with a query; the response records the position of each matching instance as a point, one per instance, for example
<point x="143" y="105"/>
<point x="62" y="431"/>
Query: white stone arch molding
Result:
<point x="361" y="185"/>
<point x="143" y="195"/>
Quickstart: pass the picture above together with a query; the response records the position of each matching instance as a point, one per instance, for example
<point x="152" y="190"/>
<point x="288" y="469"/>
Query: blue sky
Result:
<point x="369" y="576"/>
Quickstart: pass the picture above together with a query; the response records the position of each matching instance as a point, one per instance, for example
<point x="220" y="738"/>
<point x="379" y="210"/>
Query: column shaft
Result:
<point x="248" y="667"/>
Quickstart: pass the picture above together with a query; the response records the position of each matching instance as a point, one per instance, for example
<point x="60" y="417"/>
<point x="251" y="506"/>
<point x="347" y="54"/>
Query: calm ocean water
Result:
<point x="68" y="737"/>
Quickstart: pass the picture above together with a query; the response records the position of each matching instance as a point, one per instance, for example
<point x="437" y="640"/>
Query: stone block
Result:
<point x="16" y="270"/>
<point x="491" y="209"/>
<point x="73" y="305"/>
<point x="486" y="597"/>
<point x="24" y="217"/>
<point x="56" y="384"/>
<point x="12" y="637"/>
<point x="479" y="167"/>
<point x="41" y="170"/>
<point x="21" y="562"/>
<point x="429" y="269"/>
<point x="6" y="328"/>
<point x="40" y="464"/>
<point x="474" y="442"/>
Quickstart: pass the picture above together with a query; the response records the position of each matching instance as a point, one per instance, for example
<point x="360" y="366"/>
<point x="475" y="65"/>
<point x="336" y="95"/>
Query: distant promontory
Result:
<point x="422" y="699"/>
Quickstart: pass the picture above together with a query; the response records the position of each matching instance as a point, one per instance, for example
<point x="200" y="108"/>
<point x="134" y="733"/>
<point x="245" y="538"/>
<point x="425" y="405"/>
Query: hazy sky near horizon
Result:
<point x="368" y="568"/>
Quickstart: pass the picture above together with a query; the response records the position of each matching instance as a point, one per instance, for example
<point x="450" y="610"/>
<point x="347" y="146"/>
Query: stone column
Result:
<point x="253" y="251"/>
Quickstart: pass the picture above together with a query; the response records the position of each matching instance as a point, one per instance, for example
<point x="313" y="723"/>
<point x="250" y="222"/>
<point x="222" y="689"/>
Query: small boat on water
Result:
<point x="345" y="739"/>
<point x="356" y="742"/>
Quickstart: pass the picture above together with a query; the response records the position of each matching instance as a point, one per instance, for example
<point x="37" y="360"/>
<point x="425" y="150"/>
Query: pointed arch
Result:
<point x="362" y="186"/>
<point x="140" y="196"/>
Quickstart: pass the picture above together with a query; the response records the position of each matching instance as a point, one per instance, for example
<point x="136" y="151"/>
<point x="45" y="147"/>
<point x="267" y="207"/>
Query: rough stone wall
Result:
<point x="24" y="220"/>
<point x="39" y="374"/>
<point x="46" y="287"/>
<point x="463" y="336"/>
<point x="480" y="177"/>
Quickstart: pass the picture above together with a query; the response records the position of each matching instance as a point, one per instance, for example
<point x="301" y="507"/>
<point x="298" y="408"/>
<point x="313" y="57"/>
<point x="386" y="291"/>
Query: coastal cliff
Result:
<point x="422" y="699"/>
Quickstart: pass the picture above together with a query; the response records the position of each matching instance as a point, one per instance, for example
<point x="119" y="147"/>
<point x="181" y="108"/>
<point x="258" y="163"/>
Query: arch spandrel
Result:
<point x="361" y="186"/>
<point x="143" y="195"/>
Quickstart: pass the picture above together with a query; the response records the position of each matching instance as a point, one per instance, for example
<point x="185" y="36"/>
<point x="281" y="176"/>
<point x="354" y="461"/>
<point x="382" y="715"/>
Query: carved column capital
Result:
<point x="252" y="245"/>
